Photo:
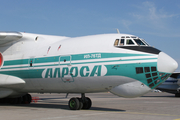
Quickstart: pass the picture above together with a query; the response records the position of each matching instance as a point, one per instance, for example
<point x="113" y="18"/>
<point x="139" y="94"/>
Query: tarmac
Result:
<point x="105" y="106"/>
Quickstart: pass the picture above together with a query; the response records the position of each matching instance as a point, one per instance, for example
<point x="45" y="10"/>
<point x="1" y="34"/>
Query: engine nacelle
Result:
<point x="130" y="90"/>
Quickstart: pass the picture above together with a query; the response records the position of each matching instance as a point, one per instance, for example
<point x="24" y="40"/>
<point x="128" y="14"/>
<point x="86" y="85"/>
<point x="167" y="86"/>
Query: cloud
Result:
<point x="150" y="11"/>
<point x="149" y="16"/>
<point x="126" y="23"/>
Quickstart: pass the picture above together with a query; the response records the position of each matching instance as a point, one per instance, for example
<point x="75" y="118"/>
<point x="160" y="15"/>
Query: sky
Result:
<point x="156" y="21"/>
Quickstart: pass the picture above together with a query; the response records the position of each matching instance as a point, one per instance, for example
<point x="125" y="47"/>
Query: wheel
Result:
<point x="29" y="98"/>
<point x="73" y="104"/>
<point x="19" y="100"/>
<point x="87" y="104"/>
<point x="16" y="100"/>
<point x="7" y="100"/>
<point x="10" y="100"/>
<point x="1" y="100"/>
<point x="80" y="103"/>
<point x="24" y="99"/>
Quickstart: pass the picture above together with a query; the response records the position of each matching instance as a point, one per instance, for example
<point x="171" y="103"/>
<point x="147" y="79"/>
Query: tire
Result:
<point x="19" y="100"/>
<point x="1" y="100"/>
<point x="7" y="100"/>
<point x="13" y="100"/>
<point x="25" y="99"/>
<point x="73" y="104"/>
<point x="80" y="103"/>
<point x="87" y="104"/>
<point x="29" y="98"/>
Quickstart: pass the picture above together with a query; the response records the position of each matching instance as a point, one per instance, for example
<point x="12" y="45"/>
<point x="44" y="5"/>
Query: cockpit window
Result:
<point x="122" y="42"/>
<point x="145" y="42"/>
<point x="116" y="42"/>
<point x="133" y="37"/>
<point x="129" y="42"/>
<point x="139" y="42"/>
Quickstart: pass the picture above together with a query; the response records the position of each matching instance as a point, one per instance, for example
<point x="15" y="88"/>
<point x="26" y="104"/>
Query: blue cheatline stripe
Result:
<point x="73" y="57"/>
<point x="21" y="68"/>
<point x="24" y="74"/>
<point x="34" y="65"/>
<point x="114" y="61"/>
<point x="127" y="70"/>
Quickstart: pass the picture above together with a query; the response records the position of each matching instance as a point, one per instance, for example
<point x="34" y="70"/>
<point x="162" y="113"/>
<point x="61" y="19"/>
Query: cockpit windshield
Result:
<point x="130" y="41"/>
<point x="139" y="42"/>
<point x="145" y="42"/>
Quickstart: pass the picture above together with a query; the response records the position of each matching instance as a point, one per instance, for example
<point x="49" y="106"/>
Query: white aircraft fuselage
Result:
<point x="120" y="63"/>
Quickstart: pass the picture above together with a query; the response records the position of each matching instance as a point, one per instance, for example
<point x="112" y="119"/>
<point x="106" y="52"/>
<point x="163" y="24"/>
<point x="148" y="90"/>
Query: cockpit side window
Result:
<point x="129" y="42"/>
<point x="139" y="42"/>
<point x="145" y="42"/>
<point x="116" y="42"/>
<point x="122" y="42"/>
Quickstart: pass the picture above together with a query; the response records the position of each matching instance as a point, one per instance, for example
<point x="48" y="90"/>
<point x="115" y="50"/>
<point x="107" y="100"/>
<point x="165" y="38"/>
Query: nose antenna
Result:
<point x="118" y="31"/>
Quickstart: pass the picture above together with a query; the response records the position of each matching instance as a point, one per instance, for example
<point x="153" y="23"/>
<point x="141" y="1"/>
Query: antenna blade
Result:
<point x="118" y="31"/>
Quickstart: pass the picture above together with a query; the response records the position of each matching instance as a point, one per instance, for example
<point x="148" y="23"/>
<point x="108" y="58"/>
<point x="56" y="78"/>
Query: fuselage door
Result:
<point x="65" y="64"/>
<point x="32" y="72"/>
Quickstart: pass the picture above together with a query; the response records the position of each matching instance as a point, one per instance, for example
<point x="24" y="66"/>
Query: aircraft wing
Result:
<point x="7" y="82"/>
<point x="6" y="37"/>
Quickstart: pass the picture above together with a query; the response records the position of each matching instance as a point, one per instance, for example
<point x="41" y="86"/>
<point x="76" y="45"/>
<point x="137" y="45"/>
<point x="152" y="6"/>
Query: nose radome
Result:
<point x="166" y="64"/>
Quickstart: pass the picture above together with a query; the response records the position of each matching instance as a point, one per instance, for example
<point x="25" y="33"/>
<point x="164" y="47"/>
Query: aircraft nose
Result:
<point x="166" y="64"/>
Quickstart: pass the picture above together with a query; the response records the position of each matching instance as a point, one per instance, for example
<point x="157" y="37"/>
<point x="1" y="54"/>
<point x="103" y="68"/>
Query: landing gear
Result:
<point x="87" y="104"/>
<point x="80" y="103"/>
<point x="25" y="99"/>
